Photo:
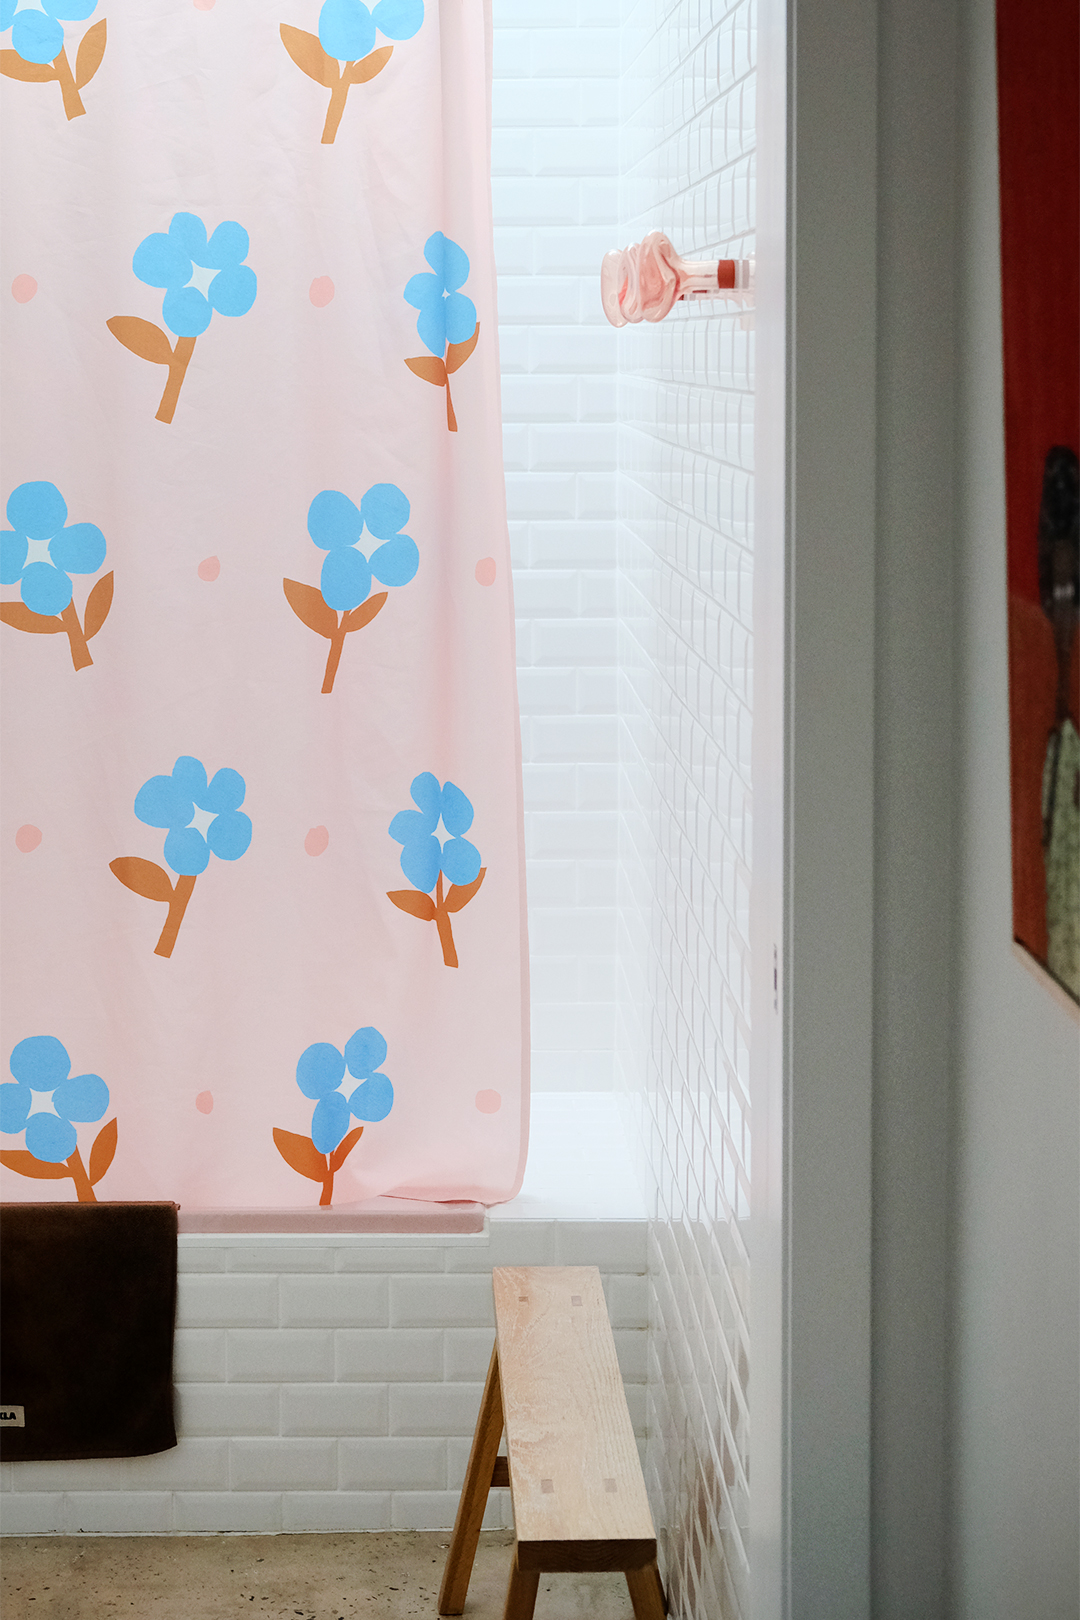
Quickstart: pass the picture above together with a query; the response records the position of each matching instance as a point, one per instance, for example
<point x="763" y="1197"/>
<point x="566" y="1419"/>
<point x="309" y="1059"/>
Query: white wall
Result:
<point x="1016" y="1427"/>
<point x="686" y="458"/>
<point x="555" y="168"/>
<point x="976" y="1261"/>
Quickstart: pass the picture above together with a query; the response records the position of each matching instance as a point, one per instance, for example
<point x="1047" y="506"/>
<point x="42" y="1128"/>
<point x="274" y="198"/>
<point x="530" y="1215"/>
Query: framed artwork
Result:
<point x="1039" y="146"/>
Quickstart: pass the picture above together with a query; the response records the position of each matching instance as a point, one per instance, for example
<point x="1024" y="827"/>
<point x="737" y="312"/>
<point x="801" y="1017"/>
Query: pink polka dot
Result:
<point x="23" y="289"/>
<point x="485" y="571"/>
<point x="316" y="840"/>
<point x="28" y="838"/>
<point x="488" y="1102"/>
<point x="204" y="1102"/>
<point x="209" y="568"/>
<point x="203" y="5"/>
<point x="321" y="291"/>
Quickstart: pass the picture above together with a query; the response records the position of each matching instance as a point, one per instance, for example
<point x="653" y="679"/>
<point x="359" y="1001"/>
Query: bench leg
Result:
<point x="646" y="1592"/>
<point x="521" y="1593"/>
<point x="474" y="1495"/>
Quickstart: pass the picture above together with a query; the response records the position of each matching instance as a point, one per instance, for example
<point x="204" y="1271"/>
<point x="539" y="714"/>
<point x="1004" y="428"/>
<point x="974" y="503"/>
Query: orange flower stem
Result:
<point x="80" y="652"/>
<point x="451" y="419"/>
<point x="333" y="657"/>
<point x="442" y="923"/>
<point x="327" y="1189"/>
<point x="338" y="97"/>
<point x="72" y="100"/>
<point x="182" y="893"/>
<point x="185" y="348"/>
<point x="83" y="1189"/>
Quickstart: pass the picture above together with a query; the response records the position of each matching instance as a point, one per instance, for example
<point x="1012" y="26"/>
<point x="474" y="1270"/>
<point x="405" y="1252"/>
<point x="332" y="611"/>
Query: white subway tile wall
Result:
<point x="685" y="574"/>
<point x="361" y="1417"/>
<point x="555" y="167"/>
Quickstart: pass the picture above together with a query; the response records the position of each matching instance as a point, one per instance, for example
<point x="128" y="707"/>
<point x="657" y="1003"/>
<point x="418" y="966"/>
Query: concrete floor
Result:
<point x="388" y="1575"/>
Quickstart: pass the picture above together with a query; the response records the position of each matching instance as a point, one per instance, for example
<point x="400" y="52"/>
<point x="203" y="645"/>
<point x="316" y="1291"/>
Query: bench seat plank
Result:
<point x="575" y="1477"/>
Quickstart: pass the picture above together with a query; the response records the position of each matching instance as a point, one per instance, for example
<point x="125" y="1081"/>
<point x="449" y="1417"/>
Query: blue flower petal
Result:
<point x="15" y="1104"/>
<point x="229" y="835"/>
<point x="422" y="290"/>
<point x="13" y="549"/>
<point x="431" y="327"/>
<point x="329" y="1122"/>
<point x="228" y="246"/>
<point x="187" y="851"/>
<point x="385" y="510"/>
<point x="225" y="792"/>
<point x="334" y="520"/>
<point x="50" y="1139"/>
<point x="364" y="1051"/>
<point x="232" y="291"/>
<point x="426" y="792"/>
<point x="78" y="549"/>
<point x="460" y="316"/>
<point x="69" y="10"/>
<point x="321" y="1069"/>
<point x="83" y="1098"/>
<point x="189" y="233"/>
<point x="457" y="812"/>
<point x="410" y="825"/>
<point x="191" y="774"/>
<point x="420" y="862"/>
<point x="398" y="19"/>
<point x="460" y="860"/>
<point x="373" y="1100"/>
<point x="346" y="31"/>
<point x="186" y="312"/>
<point x="37" y="509"/>
<point x="7" y="13"/>
<point x="161" y="261"/>
<point x="396" y="562"/>
<point x="37" y="38"/>
<point x="448" y="261"/>
<point x="45" y="589"/>
<point x="40" y="1061"/>
<point x="164" y="802"/>
<point x="345" y="579"/>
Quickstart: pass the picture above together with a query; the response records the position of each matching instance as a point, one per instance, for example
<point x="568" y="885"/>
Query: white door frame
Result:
<point x="813" y="775"/>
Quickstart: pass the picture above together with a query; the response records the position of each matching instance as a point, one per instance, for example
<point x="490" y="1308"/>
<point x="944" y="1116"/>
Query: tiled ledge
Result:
<point x="383" y="1216"/>
<point x="579" y="1169"/>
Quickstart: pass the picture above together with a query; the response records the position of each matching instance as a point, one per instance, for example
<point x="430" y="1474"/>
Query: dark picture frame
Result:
<point x="1038" y="44"/>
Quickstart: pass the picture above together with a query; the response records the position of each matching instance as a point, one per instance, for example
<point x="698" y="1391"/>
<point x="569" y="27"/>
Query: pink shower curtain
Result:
<point x="264" y="939"/>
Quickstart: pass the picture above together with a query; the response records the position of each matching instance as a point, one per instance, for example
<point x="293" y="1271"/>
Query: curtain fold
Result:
<point x="263" y="832"/>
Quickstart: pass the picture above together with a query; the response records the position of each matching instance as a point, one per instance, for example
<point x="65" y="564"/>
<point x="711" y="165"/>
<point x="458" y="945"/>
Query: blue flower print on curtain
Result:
<point x="319" y="1074"/>
<point x="200" y="275"/>
<point x="47" y="1102"/>
<point x="202" y="818"/>
<point x="39" y="553"/>
<point x="336" y="524"/>
<point x="447" y="322"/>
<point x="39" y="52"/>
<point x="425" y="859"/>
<point x="342" y="53"/>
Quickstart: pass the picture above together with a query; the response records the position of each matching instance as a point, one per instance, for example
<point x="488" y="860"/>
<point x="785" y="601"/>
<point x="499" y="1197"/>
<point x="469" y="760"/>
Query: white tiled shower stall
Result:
<point x="629" y="461"/>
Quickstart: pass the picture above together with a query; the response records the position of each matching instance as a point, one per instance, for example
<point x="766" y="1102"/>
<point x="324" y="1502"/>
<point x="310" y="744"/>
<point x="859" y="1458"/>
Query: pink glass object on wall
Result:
<point x="644" y="282"/>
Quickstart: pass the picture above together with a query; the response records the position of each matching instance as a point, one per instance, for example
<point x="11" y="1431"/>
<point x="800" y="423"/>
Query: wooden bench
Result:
<point x="571" y="1459"/>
